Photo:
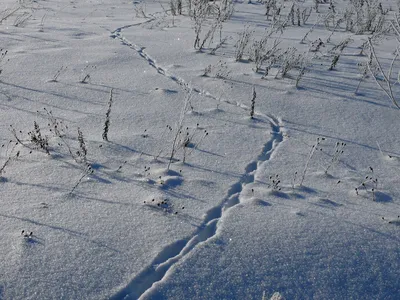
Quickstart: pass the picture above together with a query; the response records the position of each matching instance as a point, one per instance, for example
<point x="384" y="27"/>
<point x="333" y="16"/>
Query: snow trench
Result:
<point x="158" y="269"/>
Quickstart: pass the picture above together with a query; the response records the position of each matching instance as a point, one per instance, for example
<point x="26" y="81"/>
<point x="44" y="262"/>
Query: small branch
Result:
<point x="386" y="78"/>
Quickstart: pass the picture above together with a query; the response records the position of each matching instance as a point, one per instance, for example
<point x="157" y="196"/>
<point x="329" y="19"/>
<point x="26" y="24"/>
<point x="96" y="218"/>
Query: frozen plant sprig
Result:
<point x="20" y="20"/>
<point x="290" y="60"/>
<point x="272" y="9"/>
<point x="269" y="63"/>
<point x="146" y="171"/>
<point x="38" y="140"/>
<point x="291" y="15"/>
<point x="305" y="14"/>
<point x="56" y="126"/>
<point x="243" y="42"/>
<point x="339" y="50"/>
<point x="42" y="22"/>
<point x="363" y="68"/>
<point x="209" y="36"/>
<point x="82" y="152"/>
<point x="316" y="45"/>
<point x="253" y="102"/>
<point x="187" y="140"/>
<point x="6" y="148"/>
<point x="88" y="170"/>
<point x="168" y="129"/>
<point x="199" y="14"/>
<point x="121" y="166"/>
<point x="385" y="155"/>
<point x="303" y="40"/>
<point x="18" y="139"/>
<point x="274" y="182"/>
<point x="8" y="161"/>
<point x="207" y="70"/>
<point x="269" y="4"/>
<point x="140" y="10"/>
<point x="369" y="184"/>
<point x="3" y="54"/>
<point x="302" y="70"/>
<point x="338" y="22"/>
<point x="341" y="46"/>
<point x="8" y="13"/>
<point x="222" y="70"/>
<point x="197" y="144"/>
<point x="85" y="76"/>
<point x="37" y="143"/>
<point x="219" y="70"/>
<point x="298" y="14"/>
<point x="107" y="121"/>
<point x="294" y="179"/>
<point x="219" y="45"/>
<point x="259" y="52"/>
<point x="163" y="204"/>
<point x="314" y="148"/>
<point x="175" y="143"/>
<point x="316" y="6"/>
<point x="386" y="77"/>
<point x="329" y="18"/>
<point x="185" y="143"/>
<point x="27" y="234"/>
<point x="337" y="153"/>
<point x="61" y="70"/>
<point x="218" y="13"/>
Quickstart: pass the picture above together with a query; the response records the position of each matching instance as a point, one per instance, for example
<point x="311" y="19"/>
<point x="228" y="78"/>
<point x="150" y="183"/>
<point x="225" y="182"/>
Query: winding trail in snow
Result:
<point x="117" y="34"/>
<point x="162" y="264"/>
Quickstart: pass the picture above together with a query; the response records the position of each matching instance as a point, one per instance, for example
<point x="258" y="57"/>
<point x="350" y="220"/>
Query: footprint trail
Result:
<point x="142" y="283"/>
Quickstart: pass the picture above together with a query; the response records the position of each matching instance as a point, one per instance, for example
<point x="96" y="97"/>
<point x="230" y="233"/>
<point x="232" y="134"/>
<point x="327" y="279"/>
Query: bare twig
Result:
<point x="386" y="78"/>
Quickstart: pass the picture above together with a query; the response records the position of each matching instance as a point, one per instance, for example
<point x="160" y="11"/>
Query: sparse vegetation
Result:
<point x="107" y="122"/>
<point x="210" y="110"/>
<point x="368" y="185"/>
<point x="61" y="70"/>
<point x="86" y="73"/>
<point x="243" y="42"/>
<point x="10" y="156"/>
<point x="253" y="103"/>
<point x="38" y="140"/>
<point x="314" y="148"/>
<point x="3" y="60"/>
<point x="337" y="153"/>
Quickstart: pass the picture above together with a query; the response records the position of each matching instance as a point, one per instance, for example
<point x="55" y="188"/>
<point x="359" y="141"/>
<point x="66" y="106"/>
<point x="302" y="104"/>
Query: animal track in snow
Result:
<point x="177" y="251"/>
<point x="142" y="283"/>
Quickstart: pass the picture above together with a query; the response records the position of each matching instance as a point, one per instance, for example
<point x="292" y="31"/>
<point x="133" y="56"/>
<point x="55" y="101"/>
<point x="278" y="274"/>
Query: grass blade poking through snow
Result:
<point x="338" y="151"/>
<point x="3" y="54"/>
<point x="107" y="122"/>
<point x="253" y="103"/>
<point x="7" y="162"/>
<point x="310" y="156"/>
<point x="386" y="77"/>
<point x="85" y="173"/>
<point x="82" y="147"/>
<point x="179" y="126"/>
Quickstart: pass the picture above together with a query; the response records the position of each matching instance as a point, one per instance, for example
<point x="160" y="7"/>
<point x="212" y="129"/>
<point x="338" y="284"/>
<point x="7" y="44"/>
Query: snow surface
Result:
<point x="211" y="227"/>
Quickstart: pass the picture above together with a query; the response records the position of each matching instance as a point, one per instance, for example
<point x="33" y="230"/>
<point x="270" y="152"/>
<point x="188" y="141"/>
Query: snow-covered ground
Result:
<point x="300" y="200"/>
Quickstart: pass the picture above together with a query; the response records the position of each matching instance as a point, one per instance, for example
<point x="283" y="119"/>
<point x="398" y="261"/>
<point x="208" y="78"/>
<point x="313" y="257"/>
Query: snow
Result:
<point x="215" y="226"/>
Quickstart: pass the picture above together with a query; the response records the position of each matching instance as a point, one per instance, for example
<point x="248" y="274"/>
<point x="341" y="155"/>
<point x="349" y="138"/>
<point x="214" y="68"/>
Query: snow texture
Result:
<point x="190" y="197"/>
